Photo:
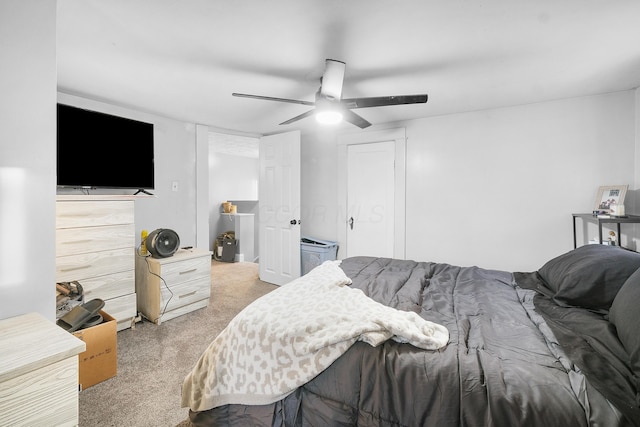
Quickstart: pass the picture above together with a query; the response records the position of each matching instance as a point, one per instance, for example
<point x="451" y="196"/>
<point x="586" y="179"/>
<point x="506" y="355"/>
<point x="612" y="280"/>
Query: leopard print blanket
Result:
<point x="287" y="337"/>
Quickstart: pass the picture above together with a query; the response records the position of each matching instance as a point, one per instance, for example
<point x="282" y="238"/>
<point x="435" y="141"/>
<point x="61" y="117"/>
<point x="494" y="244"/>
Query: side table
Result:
<point x="628" y="219"/>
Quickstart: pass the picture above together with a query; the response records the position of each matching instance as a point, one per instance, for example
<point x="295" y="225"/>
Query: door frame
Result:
<point x="398" y="136"/>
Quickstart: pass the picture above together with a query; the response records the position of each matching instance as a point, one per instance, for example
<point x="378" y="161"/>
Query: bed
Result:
<point x="443" y="345"/>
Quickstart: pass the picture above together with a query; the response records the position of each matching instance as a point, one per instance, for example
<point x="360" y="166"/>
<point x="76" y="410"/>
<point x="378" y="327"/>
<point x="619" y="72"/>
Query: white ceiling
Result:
<point x="183" y="58"/>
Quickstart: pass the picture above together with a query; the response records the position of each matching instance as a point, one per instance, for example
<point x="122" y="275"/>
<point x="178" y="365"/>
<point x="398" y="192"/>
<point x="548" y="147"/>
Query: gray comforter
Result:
<point x="502" y="366"/>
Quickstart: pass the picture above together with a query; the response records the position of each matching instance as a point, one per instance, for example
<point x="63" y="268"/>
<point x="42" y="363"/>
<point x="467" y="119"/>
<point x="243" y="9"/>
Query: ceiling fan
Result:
<point x="329" y="104"/>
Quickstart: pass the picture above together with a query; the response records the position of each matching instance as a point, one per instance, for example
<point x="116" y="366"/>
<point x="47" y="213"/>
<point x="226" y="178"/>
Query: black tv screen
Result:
<point x="98" y="150"/>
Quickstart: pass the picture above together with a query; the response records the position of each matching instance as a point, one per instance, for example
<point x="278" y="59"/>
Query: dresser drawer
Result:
<point x="174" y="273"/>
<point x="109" y="286"/>
<point x="123" y="309"/>
<point x="71" y="241"/>
<point x="47" y="396"/>
<point x="185" y="293"/>
<point x="70" y="214"/>
<point x="83" y="266"/>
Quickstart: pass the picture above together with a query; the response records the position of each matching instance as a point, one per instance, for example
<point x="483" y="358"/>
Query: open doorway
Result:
<point x="234" y="171"/>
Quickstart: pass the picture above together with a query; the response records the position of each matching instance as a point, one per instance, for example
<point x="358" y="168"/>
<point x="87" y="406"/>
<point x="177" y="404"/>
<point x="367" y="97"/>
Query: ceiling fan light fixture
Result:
<point x="328" y="117"/>
<point x="331" y="108"/>
<point x="327" y="112"/>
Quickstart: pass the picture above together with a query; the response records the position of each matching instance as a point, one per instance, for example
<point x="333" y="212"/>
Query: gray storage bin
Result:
<point x="229" y="250"/>
<point x="314" y="252"/>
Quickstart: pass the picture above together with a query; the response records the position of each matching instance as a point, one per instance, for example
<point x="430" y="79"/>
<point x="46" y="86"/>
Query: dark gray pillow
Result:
<point x="624" y="315"/>
<point x="589" y="276"/>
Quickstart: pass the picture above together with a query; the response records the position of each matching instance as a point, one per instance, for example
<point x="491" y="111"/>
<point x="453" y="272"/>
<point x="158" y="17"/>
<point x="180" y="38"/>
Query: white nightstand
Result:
<point x="170" y="287"/>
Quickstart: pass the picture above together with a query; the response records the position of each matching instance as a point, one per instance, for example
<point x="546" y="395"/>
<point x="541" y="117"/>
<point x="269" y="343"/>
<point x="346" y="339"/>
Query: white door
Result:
<point x="279" y="196"/>
<point x="370" y="199"/>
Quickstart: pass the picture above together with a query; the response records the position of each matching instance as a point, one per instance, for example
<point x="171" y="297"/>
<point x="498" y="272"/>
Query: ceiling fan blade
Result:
<point x="381" y="101"/>
<point x="355" y="119"/>
<point x="332" y="79"/>
<point x="270" y="98"/>
<point x="299" y="117"/>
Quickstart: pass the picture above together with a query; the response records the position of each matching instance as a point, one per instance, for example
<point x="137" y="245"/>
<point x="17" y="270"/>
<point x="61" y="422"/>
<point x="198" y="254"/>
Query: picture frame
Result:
<point x="609" y="195"/>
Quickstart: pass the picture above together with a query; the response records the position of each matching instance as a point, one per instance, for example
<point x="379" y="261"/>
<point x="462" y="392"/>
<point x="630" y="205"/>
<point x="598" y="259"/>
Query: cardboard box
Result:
<point x="99" y="361"/>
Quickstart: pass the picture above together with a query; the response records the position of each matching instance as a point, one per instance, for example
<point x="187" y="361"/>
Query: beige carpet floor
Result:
<point x="154" y="359"/>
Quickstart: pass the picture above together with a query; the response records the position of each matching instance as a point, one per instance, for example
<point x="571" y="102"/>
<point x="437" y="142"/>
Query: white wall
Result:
<point x="27" y="157"/>
<point x="496" y="188"/>
<point x="513" y="177"/>
<point x="202" y="187"/>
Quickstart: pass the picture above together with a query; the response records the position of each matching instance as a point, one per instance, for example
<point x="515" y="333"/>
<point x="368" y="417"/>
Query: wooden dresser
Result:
<point x="169" y="287"/>
<point x="95" y="245"/>
<point x="38" y="372"/>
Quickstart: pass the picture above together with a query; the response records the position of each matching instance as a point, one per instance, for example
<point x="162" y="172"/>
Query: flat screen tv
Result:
<point x="98" y="150"/>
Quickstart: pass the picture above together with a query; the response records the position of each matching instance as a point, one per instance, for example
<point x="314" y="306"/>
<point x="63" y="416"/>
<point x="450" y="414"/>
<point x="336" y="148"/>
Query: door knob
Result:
<point x="293" y="222"/>
<point x="351" y="222"/>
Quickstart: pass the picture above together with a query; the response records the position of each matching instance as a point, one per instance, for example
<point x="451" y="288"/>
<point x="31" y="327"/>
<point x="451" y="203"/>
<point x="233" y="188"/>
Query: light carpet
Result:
<point x="153" y="360"/>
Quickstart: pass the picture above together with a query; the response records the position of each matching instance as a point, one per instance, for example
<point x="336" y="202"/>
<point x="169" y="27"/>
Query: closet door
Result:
<point x="370" y="199"/>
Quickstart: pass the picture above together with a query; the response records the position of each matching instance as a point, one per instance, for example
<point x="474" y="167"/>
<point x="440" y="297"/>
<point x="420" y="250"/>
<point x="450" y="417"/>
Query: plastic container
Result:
<point x="314" y="252"/>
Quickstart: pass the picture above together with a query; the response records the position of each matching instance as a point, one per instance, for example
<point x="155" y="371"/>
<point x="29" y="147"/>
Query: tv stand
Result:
<point x="142" y="191"/>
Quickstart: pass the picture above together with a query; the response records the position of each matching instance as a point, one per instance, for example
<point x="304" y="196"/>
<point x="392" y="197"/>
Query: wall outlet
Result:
<point x="174" y="186"/>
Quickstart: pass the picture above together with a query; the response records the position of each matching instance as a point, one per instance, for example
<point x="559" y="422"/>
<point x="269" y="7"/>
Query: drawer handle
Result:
<point x="188" y="271"/>
<point x="187" y="295"/>
<point x="75" y="268"/>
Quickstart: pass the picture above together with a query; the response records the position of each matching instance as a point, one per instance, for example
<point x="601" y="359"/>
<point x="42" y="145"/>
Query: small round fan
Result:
<point x="162" y="243"/>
